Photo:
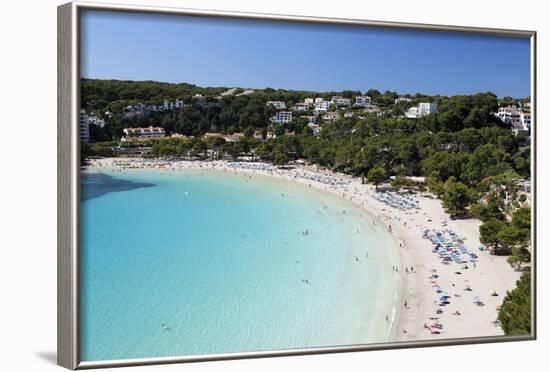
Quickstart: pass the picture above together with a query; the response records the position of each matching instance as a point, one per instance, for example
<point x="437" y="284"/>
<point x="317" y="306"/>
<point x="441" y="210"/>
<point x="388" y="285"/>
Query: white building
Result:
<point x="84" y="127"/>
<point x="363" y="101"/>
<point x="301" y="106"/>
<point x="412" y="113"/>
<point x="282" y="117"/>
<point x="279" y="105"/>
<point x="426" y="108"/>
<point x="322" y="106"/>
<point x="340" y="101"/>
<point x="423" y="109"/>
<point x="519" y="120"/>
<point x="309" y="101"/>
<point x="402" y="99"/>
<point x="509" y="115"/>
<point x="318" y="100"/>
<point x="143" y="133"/>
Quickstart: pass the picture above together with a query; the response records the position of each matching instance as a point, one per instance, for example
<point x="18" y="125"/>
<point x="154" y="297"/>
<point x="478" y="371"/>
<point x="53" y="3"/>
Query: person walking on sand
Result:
<point x="405" y="304"/>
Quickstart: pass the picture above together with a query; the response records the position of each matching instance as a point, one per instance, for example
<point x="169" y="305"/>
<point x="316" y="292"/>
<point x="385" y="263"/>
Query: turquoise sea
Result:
<point x="191" y="262"/>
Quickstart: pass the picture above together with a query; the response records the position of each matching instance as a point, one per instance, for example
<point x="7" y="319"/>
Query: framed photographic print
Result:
<point x="235" y="185"/>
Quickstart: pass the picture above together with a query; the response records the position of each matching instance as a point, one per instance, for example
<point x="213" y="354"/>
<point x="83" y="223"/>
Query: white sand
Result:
<point x="491" y="273"/>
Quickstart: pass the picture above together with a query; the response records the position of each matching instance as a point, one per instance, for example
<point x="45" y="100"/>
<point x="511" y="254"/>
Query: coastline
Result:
<point x="415" y="301"/>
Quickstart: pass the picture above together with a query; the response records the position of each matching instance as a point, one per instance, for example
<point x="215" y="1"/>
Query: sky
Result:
<point x="221" y="52"/>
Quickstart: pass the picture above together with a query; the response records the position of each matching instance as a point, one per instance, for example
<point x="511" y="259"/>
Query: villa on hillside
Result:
<point x="362" y="101"/>
<point x="423" y="109"/>
<point x="322" y="106"/>
<point x="282" y="117"/>
<point x="279" y="105"/>
<point x="338" y="101"/>
<point x="143" y="133"/>
<point x="301" y="106"/>
<point x="519" y="120"/>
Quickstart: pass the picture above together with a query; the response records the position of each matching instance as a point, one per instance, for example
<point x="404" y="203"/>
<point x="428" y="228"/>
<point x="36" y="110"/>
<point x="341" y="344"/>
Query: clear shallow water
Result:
<point x="220" y="260"/>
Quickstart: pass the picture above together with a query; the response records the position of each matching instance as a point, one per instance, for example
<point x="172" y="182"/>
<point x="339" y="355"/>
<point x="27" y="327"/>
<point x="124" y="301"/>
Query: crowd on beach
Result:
<point x="327" y="178"/>
<point x="451" y="250"/>
<point x="394" y="200"/>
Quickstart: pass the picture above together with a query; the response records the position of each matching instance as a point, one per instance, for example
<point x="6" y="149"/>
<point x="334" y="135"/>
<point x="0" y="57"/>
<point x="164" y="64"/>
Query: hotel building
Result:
<point x="143" y="133"/>
<point x="423" y="109"/>
<point x="322" y="106"/>
<point x="362" y="101"/>
<point x="282" y="117"/>
<point x="340" y="101"/>
<point x="519" y="120"/>
<point x="300" y="106"/>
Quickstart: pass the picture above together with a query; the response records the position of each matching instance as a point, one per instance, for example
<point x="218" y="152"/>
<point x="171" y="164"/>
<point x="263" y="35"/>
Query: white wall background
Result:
<point x="28" y="183"/>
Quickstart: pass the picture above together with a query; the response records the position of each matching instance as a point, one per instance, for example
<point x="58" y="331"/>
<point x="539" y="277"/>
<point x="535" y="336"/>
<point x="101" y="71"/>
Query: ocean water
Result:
<point x="191" y="262"/>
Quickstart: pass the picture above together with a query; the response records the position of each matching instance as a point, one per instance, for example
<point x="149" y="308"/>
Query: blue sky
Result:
<point x="319" y="57"/>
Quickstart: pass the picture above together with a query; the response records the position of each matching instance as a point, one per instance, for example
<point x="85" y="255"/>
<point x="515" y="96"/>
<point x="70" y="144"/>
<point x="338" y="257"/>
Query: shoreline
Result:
<point x="415" y="314"/>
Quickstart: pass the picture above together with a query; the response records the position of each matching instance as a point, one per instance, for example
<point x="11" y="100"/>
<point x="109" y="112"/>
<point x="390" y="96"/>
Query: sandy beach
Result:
<point x="438" y="300"/>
